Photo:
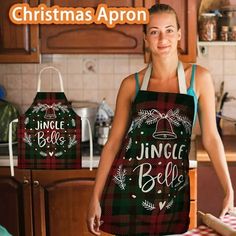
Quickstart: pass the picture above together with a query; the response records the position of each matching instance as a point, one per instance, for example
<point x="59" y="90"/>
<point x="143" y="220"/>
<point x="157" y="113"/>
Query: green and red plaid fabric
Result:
<point x="49" y="134"/>
<point x="147" y="191"/>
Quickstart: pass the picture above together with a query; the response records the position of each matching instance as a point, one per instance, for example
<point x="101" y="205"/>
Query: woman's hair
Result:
<point x="162" y="8"/>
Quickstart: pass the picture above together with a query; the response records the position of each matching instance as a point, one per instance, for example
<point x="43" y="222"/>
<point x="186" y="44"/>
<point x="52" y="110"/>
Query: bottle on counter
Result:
<point x="208" y="27"/>
<point x="224" y="33"/>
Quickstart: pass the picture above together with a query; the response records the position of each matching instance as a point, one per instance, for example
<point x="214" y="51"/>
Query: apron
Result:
<point x="49" y="133"/>
<point x="147" y="190"/>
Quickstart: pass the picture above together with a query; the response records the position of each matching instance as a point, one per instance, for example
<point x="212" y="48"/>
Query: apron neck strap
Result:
<point x="181" y="79"/>
<point x="47" y="68"/>
<point x="180" y="73"/>
<point x="146" y="78"/>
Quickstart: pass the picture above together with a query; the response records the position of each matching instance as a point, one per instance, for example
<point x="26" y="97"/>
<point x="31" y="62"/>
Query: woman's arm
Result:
<point x="116" y="135"/>
<point x="210" y="136"/>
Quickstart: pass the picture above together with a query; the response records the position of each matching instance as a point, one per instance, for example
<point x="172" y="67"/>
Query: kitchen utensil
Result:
<point x="219" y="113"/>
<point x="103" y="133"/>
<point x="86" y="109"/>
<point x="229" y="108"/>
<point x="219" y="96"/>
<point x="216" y="224"/>
<point x="105" y="113"/>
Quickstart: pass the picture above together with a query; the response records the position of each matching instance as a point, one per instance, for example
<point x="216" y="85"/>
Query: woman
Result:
<point x="142" y="183"/>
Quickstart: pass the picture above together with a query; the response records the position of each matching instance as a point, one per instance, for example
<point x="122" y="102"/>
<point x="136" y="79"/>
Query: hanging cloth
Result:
<point x="49" y="133"/>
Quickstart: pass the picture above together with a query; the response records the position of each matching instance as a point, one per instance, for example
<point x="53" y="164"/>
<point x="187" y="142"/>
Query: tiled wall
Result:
<point x="85" y="77"/>
<point x="221" y="62"/>
<point x="93" y="77"/>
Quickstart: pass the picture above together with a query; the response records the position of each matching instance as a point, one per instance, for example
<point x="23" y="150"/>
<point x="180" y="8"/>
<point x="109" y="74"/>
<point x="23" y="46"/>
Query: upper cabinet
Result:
<point x="18" y="43"/>
<point x="92" y="38"/>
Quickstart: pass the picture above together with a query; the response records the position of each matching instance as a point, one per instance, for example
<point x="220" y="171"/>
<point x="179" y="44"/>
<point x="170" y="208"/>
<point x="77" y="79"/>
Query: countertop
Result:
<point x="229" y="143"/>
<point x="4" y="157"/>
<point x="4" y="161"/>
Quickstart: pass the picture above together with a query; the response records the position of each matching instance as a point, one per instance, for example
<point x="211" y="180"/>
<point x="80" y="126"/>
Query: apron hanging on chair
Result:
<point x="49" y="133"/>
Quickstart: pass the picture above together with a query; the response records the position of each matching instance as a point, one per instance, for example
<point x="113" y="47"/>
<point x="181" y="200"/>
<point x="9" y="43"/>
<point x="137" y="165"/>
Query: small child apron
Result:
<point x="147" y="190"/>
<point x="49" y="133"/>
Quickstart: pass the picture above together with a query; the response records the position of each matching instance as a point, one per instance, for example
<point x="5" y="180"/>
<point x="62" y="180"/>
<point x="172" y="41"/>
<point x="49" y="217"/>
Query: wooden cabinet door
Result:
<point x="92" y="38"/>
<point x="15" y="202"/>
<point x="210" y="193"/>
<point x="187" y="14"/>
<point x="61" y="201"/>
<point x="18" y="43"/>
<point x="193" y="198"/>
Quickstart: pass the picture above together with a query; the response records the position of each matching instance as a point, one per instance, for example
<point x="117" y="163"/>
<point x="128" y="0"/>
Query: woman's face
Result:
<point x="162" y="34"/>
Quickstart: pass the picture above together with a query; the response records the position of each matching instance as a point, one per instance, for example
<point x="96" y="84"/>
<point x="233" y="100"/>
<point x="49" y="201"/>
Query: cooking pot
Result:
<point x="86" y="109"/>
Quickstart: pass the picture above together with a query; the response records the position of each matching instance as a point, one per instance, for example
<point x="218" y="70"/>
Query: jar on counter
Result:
<point x="208" y="27"/>
<point x="232" y="36"/>
<point x="224" y="33"/>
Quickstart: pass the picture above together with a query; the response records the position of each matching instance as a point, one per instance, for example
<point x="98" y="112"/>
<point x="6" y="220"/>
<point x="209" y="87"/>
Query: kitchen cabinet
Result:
<point x="18" y="43"/>
<point x="45" y="203"/>
<point x="193" y="198"/>
<point x="92" y="38"/>
<point x="61" y="196"/>
<point x="53" y="202"/>
<point x="210" y="194"/>
<point x="187" y="14"/>
<point x="16" y="202"/>
<point x="121" y="39"/>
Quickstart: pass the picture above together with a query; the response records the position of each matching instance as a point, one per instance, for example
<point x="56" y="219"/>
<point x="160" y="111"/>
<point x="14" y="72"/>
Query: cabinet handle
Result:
<point x="36" y="183"/>
<point x="33" y="49"/>
<point x="26" y="181"/>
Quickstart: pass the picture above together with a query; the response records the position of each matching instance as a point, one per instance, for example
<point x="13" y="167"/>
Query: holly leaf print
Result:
<point x="170" y="204"/>
<point x="148" y="205"/>
<point x="129" y="144"/>
<point x="27" y="139"/>
<point x="119" y="177"/>
<point x="72" y="141"/>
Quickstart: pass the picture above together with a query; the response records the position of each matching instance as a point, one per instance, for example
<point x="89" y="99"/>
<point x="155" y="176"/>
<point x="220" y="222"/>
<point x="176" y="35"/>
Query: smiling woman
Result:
<point x="142" y="185"/>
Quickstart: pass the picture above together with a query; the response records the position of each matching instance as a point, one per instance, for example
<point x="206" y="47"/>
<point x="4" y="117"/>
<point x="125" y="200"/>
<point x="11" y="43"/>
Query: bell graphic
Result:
<point x="164" y="130"/>
<point x="50" y="113"/>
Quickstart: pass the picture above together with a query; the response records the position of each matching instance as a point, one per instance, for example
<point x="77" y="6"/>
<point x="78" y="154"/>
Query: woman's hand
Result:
<point x="228" y="204"/>
<point x="93" y="217"/>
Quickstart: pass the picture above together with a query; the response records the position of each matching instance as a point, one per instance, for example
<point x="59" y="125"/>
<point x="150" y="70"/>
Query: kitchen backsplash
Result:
<point x="94" y="77"/>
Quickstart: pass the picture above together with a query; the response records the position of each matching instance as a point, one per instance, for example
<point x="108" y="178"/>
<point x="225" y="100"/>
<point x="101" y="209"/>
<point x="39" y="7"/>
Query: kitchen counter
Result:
<point x="4" y="161"/>
<point x="229" y="143"/>
<point x="4" y="158"/>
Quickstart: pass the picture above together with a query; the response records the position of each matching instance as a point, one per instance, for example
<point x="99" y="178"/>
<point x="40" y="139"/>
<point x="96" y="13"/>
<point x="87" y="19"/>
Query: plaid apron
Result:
<point x="147" y="191"/>
<point x="49" y="133"/>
